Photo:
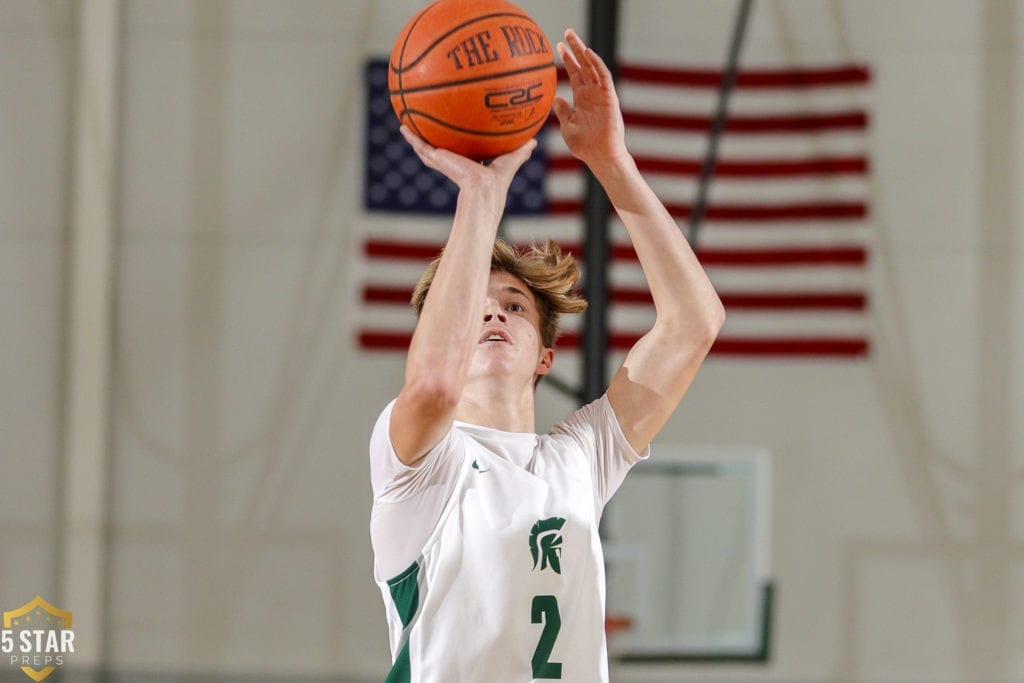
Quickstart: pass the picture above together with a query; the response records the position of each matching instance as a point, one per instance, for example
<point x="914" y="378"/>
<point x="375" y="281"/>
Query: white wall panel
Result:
<point x="35" y="101"/>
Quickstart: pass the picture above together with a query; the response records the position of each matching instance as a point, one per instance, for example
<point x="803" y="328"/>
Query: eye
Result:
<point x="516" y="307"/>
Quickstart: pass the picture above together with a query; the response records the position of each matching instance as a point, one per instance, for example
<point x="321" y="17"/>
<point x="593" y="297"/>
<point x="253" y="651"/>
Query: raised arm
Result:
<point x="660" y="367"/>
<point x="449" y="325"/>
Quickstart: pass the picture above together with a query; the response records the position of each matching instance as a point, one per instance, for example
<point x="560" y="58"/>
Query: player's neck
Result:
<point x="497" y="405"/>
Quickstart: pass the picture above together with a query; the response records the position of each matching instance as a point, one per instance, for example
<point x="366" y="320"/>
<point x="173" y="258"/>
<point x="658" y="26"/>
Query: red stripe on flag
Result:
<point x="809" y="256"/>
<point x="746" y="213"/>
<point x="837" y="347"/>
<point x="385" y="294"/>
<point x="779" y="212"/>
<point x="736" y="168"/>
<point x="787" y="256"/>
<point x="371" y="340"/>
<point x="754" y="79"/>
<point x="402" y="251"/>
<point x="797" y="79"/>
<point x="751" y="125"/>
<point x="849" y="301"/>
<point x="852" y="347"/>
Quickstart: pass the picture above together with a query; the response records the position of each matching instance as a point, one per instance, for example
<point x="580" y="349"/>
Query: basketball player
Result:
<point x="485" y="534"/>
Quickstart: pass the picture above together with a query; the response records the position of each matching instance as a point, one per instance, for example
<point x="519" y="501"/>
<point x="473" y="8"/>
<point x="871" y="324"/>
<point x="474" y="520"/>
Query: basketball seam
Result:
<point x="453" y="30"/>
<point x="476" y="79"/>
<point x="487" y="133"/>
<point x="401" y="58"/>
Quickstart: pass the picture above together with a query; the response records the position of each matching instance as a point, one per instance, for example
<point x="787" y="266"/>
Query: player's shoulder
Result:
<point x="567" y="441"/>
<point x="583" y="419"/>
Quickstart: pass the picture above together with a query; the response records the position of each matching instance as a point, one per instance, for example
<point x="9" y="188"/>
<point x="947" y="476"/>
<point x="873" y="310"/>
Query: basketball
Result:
<point x="473" y="76"/>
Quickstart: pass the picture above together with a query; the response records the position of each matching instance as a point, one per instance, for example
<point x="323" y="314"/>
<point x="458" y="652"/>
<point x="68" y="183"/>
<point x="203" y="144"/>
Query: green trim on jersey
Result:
<point x="401" y="670"/>
<point x="405" y="591"/>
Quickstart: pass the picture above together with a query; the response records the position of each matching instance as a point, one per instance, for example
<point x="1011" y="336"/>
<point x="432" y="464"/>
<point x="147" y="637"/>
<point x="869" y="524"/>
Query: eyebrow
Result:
<point x="515" y="290"/>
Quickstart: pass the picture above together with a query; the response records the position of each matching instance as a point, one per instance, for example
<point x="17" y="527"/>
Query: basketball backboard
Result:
<point x="687" y="547"/>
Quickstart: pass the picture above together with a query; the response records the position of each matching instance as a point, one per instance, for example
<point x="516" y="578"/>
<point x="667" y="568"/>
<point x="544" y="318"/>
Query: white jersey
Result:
<point x="487" y="550"/>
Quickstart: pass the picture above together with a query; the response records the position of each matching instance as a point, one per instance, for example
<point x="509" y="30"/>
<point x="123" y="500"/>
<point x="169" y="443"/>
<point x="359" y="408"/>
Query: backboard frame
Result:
<point x="676" y="460"/>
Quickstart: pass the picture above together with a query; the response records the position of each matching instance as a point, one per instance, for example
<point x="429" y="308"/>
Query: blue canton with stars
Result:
<point x="397" y="181"/>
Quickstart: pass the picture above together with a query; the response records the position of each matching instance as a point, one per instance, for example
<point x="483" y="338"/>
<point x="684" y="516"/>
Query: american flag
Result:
<point x="786" y="232"/>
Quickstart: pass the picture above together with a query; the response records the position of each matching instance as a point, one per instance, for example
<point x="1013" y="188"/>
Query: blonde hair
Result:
<point x="550" y="275"/>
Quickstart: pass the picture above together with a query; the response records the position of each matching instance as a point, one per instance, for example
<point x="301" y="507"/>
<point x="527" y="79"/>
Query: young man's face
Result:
<point x="510" y="341"/>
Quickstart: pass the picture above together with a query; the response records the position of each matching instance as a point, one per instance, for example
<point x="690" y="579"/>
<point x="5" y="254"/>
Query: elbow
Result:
<point x="434" y="378"/>
<point x="715" y="319"/>
<point x="432" y="394"/>
<point x="712" y="322"/>
<point x="705" y="334"/>
<point x="700" y="326"/>
<point x="710" y="316"/>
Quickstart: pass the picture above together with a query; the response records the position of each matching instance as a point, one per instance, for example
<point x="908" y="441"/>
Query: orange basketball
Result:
<point x="473" y="76"/>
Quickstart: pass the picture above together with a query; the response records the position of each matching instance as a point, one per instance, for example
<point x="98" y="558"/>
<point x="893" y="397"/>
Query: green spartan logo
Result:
<point x="546" y="544"/>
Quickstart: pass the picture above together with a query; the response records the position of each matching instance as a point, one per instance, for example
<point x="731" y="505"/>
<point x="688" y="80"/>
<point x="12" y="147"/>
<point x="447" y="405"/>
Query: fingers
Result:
<point x="582" y="63"/>
<point x="511" y="161"/>
<point x="582" y="56"/>
<point x="443" y="160"/>
<point x="423" y="150"/>
<point x="460" y="169"/>
<point x="562" y="109"/>
<point x="572" y="67"/>
<point x="415" y="140"/>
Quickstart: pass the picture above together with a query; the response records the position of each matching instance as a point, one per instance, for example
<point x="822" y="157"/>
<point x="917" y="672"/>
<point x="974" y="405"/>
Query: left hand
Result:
<point x="592" y="125"/>
<point x="467" y="173"/>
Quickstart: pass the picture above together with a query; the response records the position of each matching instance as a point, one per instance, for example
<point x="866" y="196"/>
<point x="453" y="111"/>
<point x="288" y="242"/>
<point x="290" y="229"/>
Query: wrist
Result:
<point x="485" y="201"/>
<point x="613" y="170"/>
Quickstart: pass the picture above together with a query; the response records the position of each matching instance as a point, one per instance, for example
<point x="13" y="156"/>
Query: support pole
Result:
<point x="603" y="25"/>
<point x="707" y="169"/>
<point x="84" y="479"/>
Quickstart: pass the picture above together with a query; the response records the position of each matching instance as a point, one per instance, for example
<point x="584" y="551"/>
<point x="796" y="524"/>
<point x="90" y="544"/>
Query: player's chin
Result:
<point x="495" y="349"/>
<point x="491" y="362"/>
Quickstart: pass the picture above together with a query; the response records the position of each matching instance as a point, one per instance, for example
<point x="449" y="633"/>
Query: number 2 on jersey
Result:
<point x="545" y="611"/>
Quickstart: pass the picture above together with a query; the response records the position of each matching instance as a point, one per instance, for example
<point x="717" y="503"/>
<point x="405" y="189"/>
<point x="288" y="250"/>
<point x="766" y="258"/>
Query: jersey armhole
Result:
<point x="620" y="439"/>
<point x="446" y="511"/>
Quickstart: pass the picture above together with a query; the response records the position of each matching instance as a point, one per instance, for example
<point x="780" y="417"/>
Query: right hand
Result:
<point x="592" y="125"/>
<point x="466" y="173"/>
